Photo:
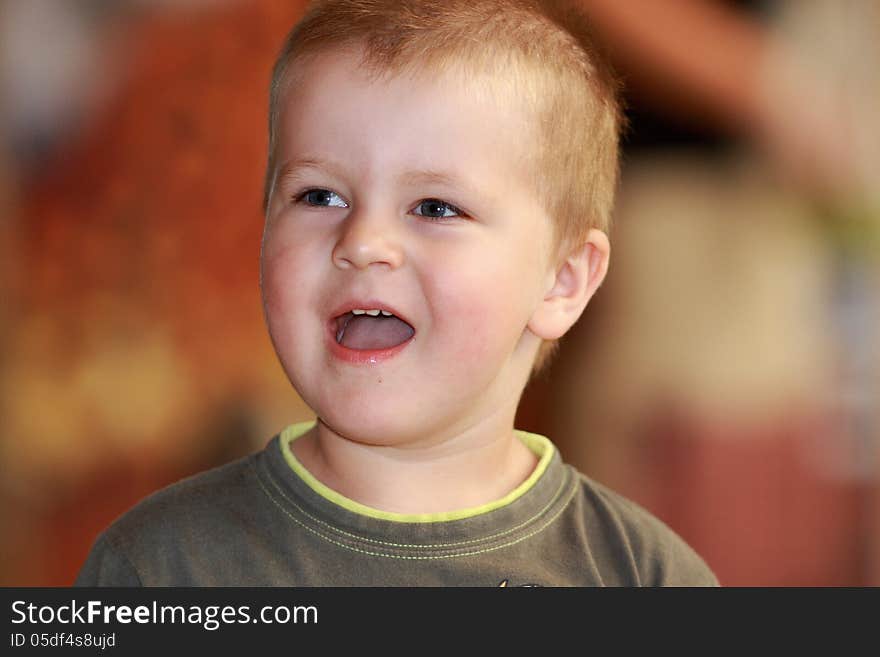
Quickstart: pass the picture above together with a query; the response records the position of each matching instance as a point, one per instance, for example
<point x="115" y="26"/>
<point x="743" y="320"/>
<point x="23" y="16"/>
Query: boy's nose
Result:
<point x="367" y="239"/>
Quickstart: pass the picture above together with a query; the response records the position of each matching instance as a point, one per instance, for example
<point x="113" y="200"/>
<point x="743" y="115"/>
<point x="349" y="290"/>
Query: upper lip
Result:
<point x="371" y="304"/>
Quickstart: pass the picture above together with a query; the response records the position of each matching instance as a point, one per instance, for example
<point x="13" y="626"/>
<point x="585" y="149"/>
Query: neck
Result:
<point x="474" y="467"/>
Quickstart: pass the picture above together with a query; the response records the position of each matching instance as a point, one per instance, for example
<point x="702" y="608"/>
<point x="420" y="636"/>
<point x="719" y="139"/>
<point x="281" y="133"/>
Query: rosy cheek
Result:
<point x="279" y="275"/>
<point x="490" y="319"/>
<point x="472" y="342"/>
<point x="273" y="299"/>
<point x="465" y="322"/>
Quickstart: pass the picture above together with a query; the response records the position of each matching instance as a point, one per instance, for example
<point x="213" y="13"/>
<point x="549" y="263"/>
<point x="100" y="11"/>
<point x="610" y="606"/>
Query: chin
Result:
<point x="368" y="430"/>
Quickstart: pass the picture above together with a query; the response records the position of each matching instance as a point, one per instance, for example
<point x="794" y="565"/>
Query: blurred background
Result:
<point x="726" y="376"/>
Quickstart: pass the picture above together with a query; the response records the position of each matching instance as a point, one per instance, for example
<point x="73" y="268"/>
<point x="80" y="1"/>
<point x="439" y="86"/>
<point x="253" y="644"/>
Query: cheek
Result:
<point x="282" y="271"/>
<point x="482" y="311"/>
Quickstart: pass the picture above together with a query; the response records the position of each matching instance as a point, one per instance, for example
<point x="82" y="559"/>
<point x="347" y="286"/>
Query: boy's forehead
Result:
<point x="443" y="122"/>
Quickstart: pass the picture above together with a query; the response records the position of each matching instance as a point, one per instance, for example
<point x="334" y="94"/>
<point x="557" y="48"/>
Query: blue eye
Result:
<point x="432" y="208"/>
<point x="437" y="209"/>
<point x="320" y="197"/>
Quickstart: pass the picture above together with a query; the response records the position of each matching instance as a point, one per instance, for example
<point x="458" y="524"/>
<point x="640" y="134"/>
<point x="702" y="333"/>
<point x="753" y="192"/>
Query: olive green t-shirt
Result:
<point x="265" y="521"/>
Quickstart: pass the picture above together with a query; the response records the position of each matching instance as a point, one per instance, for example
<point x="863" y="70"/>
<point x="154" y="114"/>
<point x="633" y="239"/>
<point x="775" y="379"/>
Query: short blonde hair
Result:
<point x="538" y="51"/>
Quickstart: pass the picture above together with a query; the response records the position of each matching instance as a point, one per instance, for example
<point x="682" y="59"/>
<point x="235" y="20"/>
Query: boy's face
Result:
<point x="464" y="261"/>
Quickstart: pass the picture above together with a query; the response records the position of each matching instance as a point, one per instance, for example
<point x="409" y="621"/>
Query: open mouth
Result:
<point x="375" y="329"/>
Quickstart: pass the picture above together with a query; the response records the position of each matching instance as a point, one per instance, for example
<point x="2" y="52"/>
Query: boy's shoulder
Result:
<point x="192" y="500"/>
<point x="182" y="519"/>
<point x="660" y="557"/>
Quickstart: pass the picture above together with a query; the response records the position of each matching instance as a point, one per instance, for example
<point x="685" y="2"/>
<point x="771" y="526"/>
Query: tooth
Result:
<point x="358" y="311"/>
<point x="386" y="313"/>
<point x="373" y="313"/>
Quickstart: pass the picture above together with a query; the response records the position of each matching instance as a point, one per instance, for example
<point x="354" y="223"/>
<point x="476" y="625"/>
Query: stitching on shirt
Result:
<point x="410" y="557"/>
<point x="365" y="539"/>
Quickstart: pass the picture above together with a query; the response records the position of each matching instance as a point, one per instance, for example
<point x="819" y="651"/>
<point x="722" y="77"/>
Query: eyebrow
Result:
<point x="292" y="169"/>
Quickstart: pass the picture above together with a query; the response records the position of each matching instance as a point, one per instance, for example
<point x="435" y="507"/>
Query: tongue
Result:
<point x="367" y="332"/>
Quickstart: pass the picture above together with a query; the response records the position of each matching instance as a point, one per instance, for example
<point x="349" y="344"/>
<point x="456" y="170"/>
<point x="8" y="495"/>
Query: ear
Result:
<point x="574" y="283"/>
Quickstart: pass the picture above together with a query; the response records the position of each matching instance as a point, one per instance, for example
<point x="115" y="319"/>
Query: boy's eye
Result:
<point x="321" y="197"/>
<point x="436" y="209"/>
<point x="432" y="208"/>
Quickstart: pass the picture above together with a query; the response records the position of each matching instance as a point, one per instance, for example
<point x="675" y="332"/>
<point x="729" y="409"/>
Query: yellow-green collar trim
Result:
<point x="540" y="445"/>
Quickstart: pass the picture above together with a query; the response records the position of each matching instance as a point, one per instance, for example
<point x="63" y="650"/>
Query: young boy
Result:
<point x="437" y="199"/>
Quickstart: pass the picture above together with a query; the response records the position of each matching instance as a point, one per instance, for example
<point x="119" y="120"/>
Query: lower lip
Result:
<point x="363" y="356"/>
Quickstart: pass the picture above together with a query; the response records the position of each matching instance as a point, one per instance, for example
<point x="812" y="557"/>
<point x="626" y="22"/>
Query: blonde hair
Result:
<point x="537" y="51"/>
